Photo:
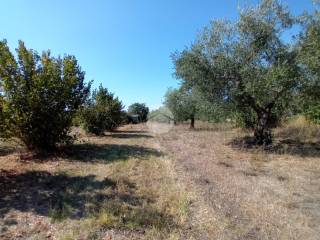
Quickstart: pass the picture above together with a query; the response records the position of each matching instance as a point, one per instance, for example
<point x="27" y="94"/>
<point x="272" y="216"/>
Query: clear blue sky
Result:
<point x="123" y="44"/>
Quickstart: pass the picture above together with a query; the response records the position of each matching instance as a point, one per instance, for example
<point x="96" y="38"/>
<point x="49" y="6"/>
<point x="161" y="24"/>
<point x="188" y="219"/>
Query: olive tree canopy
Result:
<point x="245" y="64"/>
<point x="309" y="57"/>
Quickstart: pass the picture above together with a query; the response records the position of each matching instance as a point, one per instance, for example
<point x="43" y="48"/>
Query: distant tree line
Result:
<point x="42" y="96"/>
<point x="249" y="71"/>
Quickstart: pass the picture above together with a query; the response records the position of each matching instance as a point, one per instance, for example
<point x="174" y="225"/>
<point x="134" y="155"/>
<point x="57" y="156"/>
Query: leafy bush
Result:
<point x="140" y="109"/>
<point x="76" y="121"/>
<point x="245" y="119"/>
<point x="41" y="95"/>
<point x="313" y="113"/>
<point x="103" y="112"/>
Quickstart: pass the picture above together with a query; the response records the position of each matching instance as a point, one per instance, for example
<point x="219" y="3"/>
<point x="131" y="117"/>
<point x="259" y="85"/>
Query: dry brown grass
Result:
<point x="165" y="182"/>
<point x="119" y="186"/>
<point x="242" y="192"/>
<point x="299" y="129"/>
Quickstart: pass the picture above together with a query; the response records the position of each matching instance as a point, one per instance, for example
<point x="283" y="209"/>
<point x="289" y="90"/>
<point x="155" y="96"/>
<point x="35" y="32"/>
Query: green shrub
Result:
<point x="313" y="113"/>
<point x="140" y="109"/>
<point x="76" y="121"/>
<point x="245" y="119"/>
<point x="3" y="119"/>
<point x="103" y="112"/>
<point x="41" y="95"/>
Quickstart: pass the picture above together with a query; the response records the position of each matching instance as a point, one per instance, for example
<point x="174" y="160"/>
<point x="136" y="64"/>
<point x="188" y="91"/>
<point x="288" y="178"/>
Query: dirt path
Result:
<point x="239" y="194"/>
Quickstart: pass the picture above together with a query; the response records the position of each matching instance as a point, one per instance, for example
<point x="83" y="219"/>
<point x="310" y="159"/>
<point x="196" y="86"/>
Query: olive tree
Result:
<point x="183" y="105"/>
<point x="40" y="95"/>
<point x="245" y="64"/>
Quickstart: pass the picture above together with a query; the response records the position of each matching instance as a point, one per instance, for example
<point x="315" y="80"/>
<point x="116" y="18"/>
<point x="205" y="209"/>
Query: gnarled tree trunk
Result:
<point x="192" y="123"/>
<point x="262" y="132"/>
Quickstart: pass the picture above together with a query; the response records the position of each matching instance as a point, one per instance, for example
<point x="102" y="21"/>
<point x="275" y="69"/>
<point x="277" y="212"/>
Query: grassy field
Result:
<point x="157" y="181"/>
<point x="119" y="186"/>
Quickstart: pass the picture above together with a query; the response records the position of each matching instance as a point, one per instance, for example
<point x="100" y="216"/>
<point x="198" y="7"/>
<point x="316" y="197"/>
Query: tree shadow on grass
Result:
<point x="214" y="128"/>
<point x="9" y="146"/>
<point x="279" y="146"/>
<point x="130" y="135"/>
<point x="6" y="150"/>
<point x="42" y="192"/>
<point x="106" y="153"/>
<point x="60" y="196"/>
<point x="130" y="131"/>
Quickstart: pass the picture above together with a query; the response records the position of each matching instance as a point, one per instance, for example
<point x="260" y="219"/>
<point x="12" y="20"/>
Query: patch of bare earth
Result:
<point x="118" y="186"/>
<point x="243" y="192"/>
